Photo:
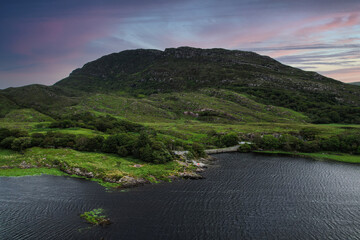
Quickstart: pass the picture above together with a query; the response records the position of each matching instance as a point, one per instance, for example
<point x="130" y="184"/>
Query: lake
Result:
<point x="243" y="196"/>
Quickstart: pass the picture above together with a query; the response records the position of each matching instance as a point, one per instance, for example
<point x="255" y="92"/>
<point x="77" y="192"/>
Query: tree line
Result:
<point x="307" y="141"/>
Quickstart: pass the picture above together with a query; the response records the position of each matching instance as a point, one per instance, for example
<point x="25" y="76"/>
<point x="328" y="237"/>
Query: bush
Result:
<point x="110" y="145"/>
<point x="59" y="140"/>
<point x="330" y="144"/>
<point x="89" y="144"/>
<point x="4" y="133"/>
<point x="6" y="143"/>
<point x="198" y="150"/>
<point x="150" y="150"/>
<point x="19" y="133"/>
<point x="309" y="134"/>
<point x="20" y="144"/>
<point x="230" y="139"/>
<point x="37" y="139"/>
<point x="114" y="142"/>
<point x="145" y="153"/>
<point x="269" y="142"/>
<point x="122" y="151"/>
<point x="290" y="143"/>
<point x="66" y="123"/>
<point x="226" y="140"/>
<point x="310" y="147"/>
<point x="244" y="148"/>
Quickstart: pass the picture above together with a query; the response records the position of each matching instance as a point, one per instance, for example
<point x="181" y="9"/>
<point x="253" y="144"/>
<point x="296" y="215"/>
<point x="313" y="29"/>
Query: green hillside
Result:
<point x="6" y="105"/>
<point x="206" y="105"/>
<point x="265" y="80"/>
<point x="48" y="100"/>
<point x="216" y="76"/>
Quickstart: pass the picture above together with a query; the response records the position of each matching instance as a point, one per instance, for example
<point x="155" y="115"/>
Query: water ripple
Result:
<point x="245" y="196"/>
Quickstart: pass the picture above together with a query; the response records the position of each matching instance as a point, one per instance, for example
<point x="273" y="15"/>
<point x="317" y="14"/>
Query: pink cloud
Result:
<point x="337" y="22"/>
<point x="46" y="75"/>
<point x="345" y="75"/>
<point x="281" y="53"/>
<point x="54" y="34"/>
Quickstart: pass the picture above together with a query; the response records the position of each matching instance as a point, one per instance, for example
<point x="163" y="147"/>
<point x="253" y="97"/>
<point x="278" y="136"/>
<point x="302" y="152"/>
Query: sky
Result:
<point x="42" y="41"/>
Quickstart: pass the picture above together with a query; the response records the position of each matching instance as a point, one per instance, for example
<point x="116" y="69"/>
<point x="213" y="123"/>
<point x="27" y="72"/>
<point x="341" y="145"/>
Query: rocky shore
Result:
<point x="192" y="170"/>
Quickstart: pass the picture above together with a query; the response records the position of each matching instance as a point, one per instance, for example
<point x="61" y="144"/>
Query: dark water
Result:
<point x="244" y="196"/>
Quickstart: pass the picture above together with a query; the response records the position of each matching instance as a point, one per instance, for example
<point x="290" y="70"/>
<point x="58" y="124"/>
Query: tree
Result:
<point x="198" y="150"/>
<point x="309" y="134"/>
<point x="230" y="139"/>
<point x="37" y="139"/>
<point x="110" y="145"/>
<point x="269" y="142"/>
<point x="20" y="144"/>
<point x="6" y="143"/>
<point x="4" y="133"/>
<point x="244" y="148"/>
<point x="288" y="142"/>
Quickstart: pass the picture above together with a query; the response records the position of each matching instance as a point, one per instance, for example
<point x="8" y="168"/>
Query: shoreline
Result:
<point x="319" y="156"/>
<point x="132" y="172"/>
<point x="191" y="168"/>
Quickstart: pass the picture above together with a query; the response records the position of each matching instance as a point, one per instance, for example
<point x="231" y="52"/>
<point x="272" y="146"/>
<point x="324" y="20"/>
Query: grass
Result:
<point x="167" y="107"/>
<point x="75" y="131"/>
<point x="104" y="166"/>
<point x="19" y="172"/>
<point x="340" y="157"/>
<point x="96" y="217"/>
<point x="26" y="115"/>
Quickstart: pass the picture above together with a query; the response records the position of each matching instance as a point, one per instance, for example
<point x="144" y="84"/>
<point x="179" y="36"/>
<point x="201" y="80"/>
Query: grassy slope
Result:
<point x="26" y="115"/>
<point x="6" y="105"/>
<point x="227" y="106"/>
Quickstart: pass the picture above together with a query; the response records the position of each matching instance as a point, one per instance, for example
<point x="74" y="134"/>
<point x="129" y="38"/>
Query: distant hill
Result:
<point x="42" y="98"/>
<point x="355" y="83"/>
<point x="216" y="79"/>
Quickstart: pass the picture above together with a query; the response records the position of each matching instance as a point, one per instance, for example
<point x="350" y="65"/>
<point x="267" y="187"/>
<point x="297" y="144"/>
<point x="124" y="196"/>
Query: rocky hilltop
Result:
<point x="186" y="68"/>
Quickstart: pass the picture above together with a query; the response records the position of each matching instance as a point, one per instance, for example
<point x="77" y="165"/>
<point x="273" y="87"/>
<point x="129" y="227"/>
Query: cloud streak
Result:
<point x="42" y="41"/>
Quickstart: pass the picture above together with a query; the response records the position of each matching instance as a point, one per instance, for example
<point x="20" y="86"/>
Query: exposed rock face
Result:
<point x="190" y="175"/>
<point x="78" y="172"/>
<point x="24" y="164"/>
<point x="128" y="182"/>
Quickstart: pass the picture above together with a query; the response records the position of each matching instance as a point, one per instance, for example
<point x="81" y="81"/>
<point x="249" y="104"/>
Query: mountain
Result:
<point x="209" y="84"/>
<point x="355" y="83"/>
<point x="185" y="68"/>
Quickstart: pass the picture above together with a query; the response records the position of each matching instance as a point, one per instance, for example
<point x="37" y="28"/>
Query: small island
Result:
<point x="96" y="217"/>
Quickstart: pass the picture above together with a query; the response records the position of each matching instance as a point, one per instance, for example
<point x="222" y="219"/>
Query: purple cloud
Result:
<point x="42" y="41"/>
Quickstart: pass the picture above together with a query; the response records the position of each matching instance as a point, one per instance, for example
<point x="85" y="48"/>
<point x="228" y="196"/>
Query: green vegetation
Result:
<point x="119" y="119"/>
<point x="19" y="172"/>
<point x="217" y="85"/>
<point x="96" y="217"/>
<point x="348" y="142"/>
<point x="106" y="168"/>
<point x="186" y="69"/>
<point x="320" y="156"/>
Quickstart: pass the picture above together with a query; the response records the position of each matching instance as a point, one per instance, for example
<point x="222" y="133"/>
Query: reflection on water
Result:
<point x="245" y="196"/>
